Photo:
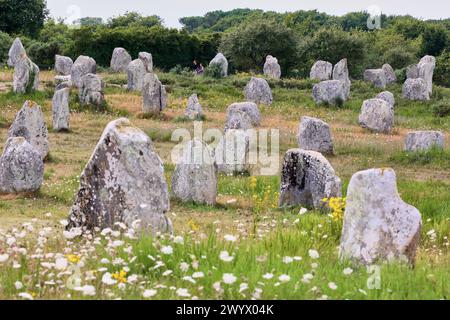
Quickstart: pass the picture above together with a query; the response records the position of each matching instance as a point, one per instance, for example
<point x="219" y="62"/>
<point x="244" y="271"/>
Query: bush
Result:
<point x="399" y="57"/>
<point x="178" y="69"/>
<point x="442" y="71"/>
<point x="214" y="71"/>
<point x="5" y="43"/>
<point x="441" y="108"/>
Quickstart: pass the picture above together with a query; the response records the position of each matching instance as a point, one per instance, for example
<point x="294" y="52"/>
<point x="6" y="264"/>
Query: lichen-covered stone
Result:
<point x="221" y="61"/>
<point x="63" y="65"/>
<point x="306" y="179"/>
<point x="340" y="72"/>
<point x="415" y="89"/>
<point x="194" y="178"/>
<point x="60" y="109"/>
<point x="424" y="140"/>
<point x="321" y="70"/>
<point x="154" y="94"/>
<point x="389" y="73"/>
<point x="91" y="90"/>
<point x="82" y="66"/>
<point x="258" y="91"/>
<point x="21" y="167"/>
<point x="242" y="115"/>
<point x="136" y="72"/>
<point x="378" y="225"/>
<point x="386" y="96"/>
<point x="26" y="76"/>
<point x="122" y="182"/>
<point x="376" y="76"/>
<point x="377" y="115"/>
<point x="271" y="68"/>
<point x="232" y="151"/>
<point x="425" y="70"/>
<point x="331" y="92"/>
<point x="412" y="72"/>
<point x="120" y="60"/>
<point x="16" y="53"/>
<point x="30" y="124"/>
<point x="147" y="59"/>
<point x="315" y="134"/>
<point x="193" y="108"/>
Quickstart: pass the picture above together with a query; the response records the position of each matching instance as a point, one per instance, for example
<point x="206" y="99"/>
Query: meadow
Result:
<point x="244" y="247"/>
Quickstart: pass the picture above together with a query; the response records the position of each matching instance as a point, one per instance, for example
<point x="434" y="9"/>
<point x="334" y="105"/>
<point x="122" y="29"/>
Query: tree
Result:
<point x="89" y="21"/>
<point x="248" y="44"/>
<point x="435" y="40"/>
<point x="22" y="16"/>
<point x="134" y="19"/>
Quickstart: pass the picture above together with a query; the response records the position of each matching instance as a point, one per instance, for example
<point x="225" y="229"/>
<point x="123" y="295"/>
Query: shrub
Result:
<point x="442" y="71"/>
<point x="214" y="71"/>
<point x="5" y="43"/>
<point x="441" y="108"/>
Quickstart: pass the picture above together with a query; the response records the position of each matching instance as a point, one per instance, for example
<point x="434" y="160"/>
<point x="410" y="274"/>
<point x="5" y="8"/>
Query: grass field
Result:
<point x="244" y="247"/>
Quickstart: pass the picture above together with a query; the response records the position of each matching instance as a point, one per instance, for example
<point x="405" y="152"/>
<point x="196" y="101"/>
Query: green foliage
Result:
<point x="435" y="156"/>
<point x="248" y="45"/>
<point x="89" y="21"/>
<point x="435" y="40"/>
<point x="442" y="108"/>
<point x="134" y="19"/>
<point x="5" y="43"/>
<point x="441" y="74"/>
<point x="22" y="17"/>
<point x="214" y="71"/>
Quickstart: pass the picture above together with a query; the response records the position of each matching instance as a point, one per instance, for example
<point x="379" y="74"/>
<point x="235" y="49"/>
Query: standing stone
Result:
<point x="271" y="68"/>
<point x="306" y="179"/>
<point x="232" y="152"/>
<point x="63" y="82"/>
<point x="91" y="90"/>
<point x="21" y="167"/>
<point x="194" y="178"/>
<point x="26" y="76"/>
<point x="122" y="182"/>
<point x="378" y="225"/>
<point x="16" y="53"/>
<point x="412" y="72"/>
<point x="424" y="140"/>
<point x="154" y="94"/>
<point x="315" y="134"/>
<point x="60" y="109"/>
<point x="82" y="66"/>
<point x="331" y="92"/>
<point x="389" y="73"/>
<point x="136" y="73"/>
<point x="377" y="115"/>
<point x="258" y="91"/>
<point x="425" y="71"/>
<point x="63" y="65"/>
<point x="120" y="60"/>
<point x="242" y="115"/>
<point x="340" y="72"/>
<point x="376" y="76"/>
<point x="147" y="59"/>
<point x="415" y="89"/>
<point x="386" y="96"/>
<point x="30" y="124"/>
<point x="193" y="108"/>
<point x="221" y="61"/>
<point x="321" y="70"/>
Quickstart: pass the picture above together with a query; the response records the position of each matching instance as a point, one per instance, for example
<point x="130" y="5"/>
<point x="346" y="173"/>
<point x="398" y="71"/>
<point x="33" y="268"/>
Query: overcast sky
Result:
<point x="171" y="10"/>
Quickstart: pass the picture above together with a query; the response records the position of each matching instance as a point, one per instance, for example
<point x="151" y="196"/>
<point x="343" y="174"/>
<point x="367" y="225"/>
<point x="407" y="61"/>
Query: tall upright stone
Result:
<point x="16" y="53"/>
<point x="425" y="70"/>
<point x="306" y="179"/>
<point x="120" y="60"/>
<point x="26" y="76"/>
<point x="123" y="181"/>
<point x="389" y="73"/>
<point x="193" y="108"/>
<point x="91" y="90"/>
<point x="82" y="66"/>
<point x="194" y="178"/>
<point x="147" y="59"/>
<point x="378" y="225"/>
<point x="340" y="72"/>
<point x="136" y="72"/>
<point x="321" y="70"/>
<point x="30" y="124"/>
<point x="60" y="109"/>
<point x="258" y="91"/>
<point x="220" y="61"/>
<point x="63" y="65"/>
<point x="315" y="134"/>
<point x="154" y="95"/>
<point x="272" y="68"/>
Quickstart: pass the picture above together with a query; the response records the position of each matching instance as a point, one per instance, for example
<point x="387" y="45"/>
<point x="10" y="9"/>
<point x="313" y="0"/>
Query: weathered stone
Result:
<point x="258" y="91"/>
<point x="82" y="66"/>
<point x="220" y="60"/>
<point x="377" y="115"/>
<point x="91" y="90"/>
<point x="321" y="70"/>
<point x="232" y="151"/>
<point x="136" y="73"/>
<point x="340" y="72"/>
<point x="63" y="82"/>
<point x="412" y="72"/>
<point x="425" y="70"/>
<point x="154" y="94"/>
<point x="415" y="89"/>
<point x="315" y="134"/>
<point x="271" y="68"/>
<point x="21" y="167"/>
<point x="16" y="53"/>
<point x="63" y="65"/>
<point x="386" y="96"/>
<point x="147" y="59"/>
<point x="30" y="124"/>
<point x="331" y="92"/>
<point x="307" y="178"/>
<point x="424" y="140"/>
<point x="378" y="225"/>
<point x="193" y="108"/>
<point x="60" y="109"/>
<point x="122" y="182"/>
<point x="194" y="178"/>
<point x="26" y="76"/>
<point x="242" y="115"/>
<point x="376" y="76"/>
<point x="120" y="60"/>
<point x="389" y="73"/>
